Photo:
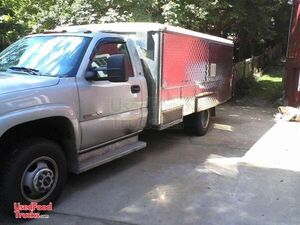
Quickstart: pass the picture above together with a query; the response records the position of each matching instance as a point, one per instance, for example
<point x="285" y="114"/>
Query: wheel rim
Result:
<point x="39" y="179"/>
<point x="205" y="118"/>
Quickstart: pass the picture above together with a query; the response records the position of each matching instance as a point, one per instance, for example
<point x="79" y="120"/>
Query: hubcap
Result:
<point x="43" y="180"/>
<point x="39" y="179"/>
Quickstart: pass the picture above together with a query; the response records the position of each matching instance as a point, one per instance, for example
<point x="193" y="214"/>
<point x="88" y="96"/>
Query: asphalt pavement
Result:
<point x="243" y="172"/>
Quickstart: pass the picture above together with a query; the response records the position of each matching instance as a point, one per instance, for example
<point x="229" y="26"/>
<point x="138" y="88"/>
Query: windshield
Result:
<point x="47" y="55"/>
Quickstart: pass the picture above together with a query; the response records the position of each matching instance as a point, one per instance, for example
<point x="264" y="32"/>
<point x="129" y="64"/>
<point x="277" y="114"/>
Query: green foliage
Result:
<point x="253" y="24"/>
<point x="10" y="27"/>
<point x="266" y="89"/>
<point x="64" y="13"/>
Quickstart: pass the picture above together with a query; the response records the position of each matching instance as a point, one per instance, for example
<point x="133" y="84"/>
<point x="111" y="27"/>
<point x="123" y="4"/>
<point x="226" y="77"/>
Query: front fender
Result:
<point x="12" y="119"/>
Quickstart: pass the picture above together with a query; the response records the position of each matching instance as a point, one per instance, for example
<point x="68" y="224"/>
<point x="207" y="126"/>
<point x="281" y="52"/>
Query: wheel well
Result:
<point x="57" y="129"/>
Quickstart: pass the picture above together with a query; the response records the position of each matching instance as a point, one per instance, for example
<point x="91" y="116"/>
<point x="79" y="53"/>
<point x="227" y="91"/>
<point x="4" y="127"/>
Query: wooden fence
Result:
<point x="249" y="67"/>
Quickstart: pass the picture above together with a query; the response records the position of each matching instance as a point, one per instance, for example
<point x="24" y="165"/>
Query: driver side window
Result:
<point x="104" y="51"/>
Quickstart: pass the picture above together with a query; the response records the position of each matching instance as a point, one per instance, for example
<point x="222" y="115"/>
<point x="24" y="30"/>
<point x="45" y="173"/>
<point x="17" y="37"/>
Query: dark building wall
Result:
<point x="292" y="90"/>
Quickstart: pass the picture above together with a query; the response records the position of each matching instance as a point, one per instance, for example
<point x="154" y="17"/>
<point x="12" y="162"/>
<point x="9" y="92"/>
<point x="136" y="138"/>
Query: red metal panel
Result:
<point x="171" y="94"/>
<point x="220" y="53"/>
<point x="187" y="92"/>
<point x="186" y="63"/>
<point x="184" y="59"/>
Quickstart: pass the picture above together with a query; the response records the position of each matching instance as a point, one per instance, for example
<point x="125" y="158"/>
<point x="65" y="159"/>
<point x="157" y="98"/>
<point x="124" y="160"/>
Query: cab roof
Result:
<point x="138" y="27"/>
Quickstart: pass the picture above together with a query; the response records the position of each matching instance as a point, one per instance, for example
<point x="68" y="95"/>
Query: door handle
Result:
<point x="135" y="89"/>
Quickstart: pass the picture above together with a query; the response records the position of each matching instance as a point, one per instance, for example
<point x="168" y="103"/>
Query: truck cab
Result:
<point x="75" y="93"/>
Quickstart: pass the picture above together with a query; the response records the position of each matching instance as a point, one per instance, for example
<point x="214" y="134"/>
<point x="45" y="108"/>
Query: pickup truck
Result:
<point x="77" y="97"/>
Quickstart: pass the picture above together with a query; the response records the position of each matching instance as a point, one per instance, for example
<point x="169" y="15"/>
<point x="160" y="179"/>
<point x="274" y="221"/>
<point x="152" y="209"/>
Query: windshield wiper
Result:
<point x="25" y="69"/>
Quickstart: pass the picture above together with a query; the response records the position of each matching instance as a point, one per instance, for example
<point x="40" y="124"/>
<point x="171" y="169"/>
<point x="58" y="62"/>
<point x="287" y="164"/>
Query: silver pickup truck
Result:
<point x="76" y="97"/>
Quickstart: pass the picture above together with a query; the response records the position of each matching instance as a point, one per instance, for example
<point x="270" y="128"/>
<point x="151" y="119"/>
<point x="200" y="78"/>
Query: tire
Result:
<point x="35" y="171"/>
<point x="197" y="124"/>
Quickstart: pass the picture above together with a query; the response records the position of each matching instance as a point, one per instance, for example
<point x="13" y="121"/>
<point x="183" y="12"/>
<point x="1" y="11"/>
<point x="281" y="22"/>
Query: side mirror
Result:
<point x="91" y="75"/>
<point x="116" y="68"/>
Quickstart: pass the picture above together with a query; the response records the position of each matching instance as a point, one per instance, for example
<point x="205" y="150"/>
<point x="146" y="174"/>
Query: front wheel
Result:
<point x="36" y="171"/>
<point x="197" y="123"/>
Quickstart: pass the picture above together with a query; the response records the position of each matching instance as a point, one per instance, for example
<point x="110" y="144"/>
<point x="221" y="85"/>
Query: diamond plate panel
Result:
<point x="194" y="71"/>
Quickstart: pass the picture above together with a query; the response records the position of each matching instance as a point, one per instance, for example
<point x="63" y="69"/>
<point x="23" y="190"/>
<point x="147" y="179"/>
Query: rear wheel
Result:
<point x="197" y="123"/>
<point x="36" y="171"/>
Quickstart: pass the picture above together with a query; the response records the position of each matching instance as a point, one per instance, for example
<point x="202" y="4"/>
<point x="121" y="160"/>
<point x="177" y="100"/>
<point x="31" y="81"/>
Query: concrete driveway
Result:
<point x="222" y="178"/>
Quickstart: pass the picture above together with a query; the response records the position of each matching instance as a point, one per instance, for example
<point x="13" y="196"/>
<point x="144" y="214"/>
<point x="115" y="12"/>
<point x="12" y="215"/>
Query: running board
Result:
<point x="108" y="153"/>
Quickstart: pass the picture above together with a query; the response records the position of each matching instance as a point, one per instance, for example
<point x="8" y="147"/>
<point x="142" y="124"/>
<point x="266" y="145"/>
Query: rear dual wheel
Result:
<point x="198" y="123"/>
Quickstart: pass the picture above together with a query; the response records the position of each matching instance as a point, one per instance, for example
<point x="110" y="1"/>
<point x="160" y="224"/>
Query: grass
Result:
<point x="264" y="89"/>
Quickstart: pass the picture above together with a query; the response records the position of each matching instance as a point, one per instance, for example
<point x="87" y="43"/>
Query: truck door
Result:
<point x="109" y="110"/>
